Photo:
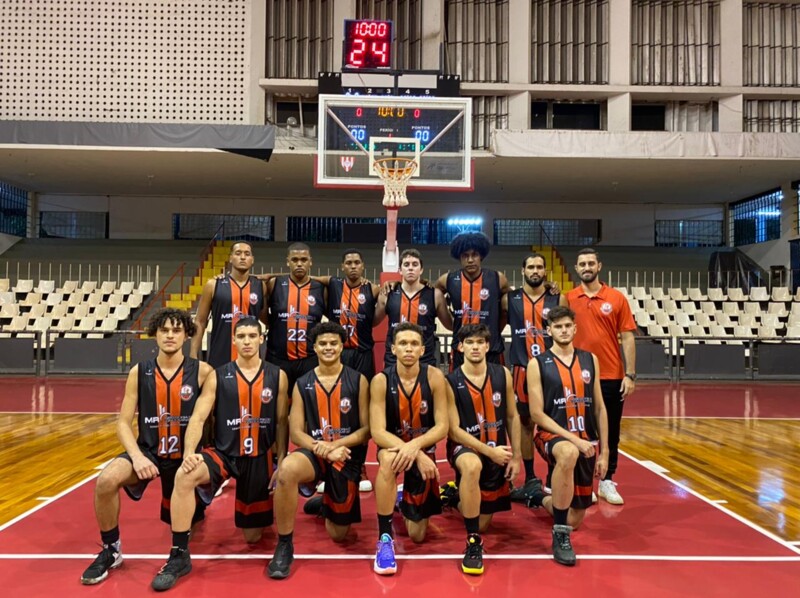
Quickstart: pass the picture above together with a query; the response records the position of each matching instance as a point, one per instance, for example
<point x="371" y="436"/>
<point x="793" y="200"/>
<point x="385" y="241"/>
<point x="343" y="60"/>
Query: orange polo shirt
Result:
<point x="599" y="320"/>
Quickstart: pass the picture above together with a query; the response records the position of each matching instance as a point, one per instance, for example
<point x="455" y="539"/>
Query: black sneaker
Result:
<point x="281" y="562"/>
<point x="109" y="558"/>
<point x="313" y="506"/>
<point x="535" y="494"/>
<point x="473" y="556"/>
<point x="448" y="494"/>
<point x="523" y="493"/>
<point x="178" y="564"/>
<point x="562" y="547"/>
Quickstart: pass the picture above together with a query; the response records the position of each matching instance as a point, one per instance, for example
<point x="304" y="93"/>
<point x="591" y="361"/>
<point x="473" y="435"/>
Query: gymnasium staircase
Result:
<point x="214" y="262"/>
<point x="558" y="272"/>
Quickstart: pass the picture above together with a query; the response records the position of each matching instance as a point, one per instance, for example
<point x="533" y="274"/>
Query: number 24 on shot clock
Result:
<point x="367" y="45"/>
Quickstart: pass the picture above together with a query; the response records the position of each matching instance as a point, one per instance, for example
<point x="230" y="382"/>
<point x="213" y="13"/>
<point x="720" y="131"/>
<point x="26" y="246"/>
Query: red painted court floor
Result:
<point x="665" y="541"/>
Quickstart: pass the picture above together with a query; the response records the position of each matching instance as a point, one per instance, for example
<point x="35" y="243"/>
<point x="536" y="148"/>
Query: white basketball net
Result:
<point x="395" y="174"/>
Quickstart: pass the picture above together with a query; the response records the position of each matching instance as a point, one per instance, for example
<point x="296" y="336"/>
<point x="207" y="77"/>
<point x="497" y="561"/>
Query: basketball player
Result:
<point x="296" y="304"/>
<point x="329" y="422"/>
<point x="408" y="416"/>
<point x="475" y="293"/>
<point x="566" y="403"/>
<point x="250" y="405"/>
<point x="413" y="301"/>
<point x="483" y="415"/>
<point x="226" y="299"/>
<point x="602" y="316"/>
<point x="163" y="391"/>
<point x="527" y="310"/>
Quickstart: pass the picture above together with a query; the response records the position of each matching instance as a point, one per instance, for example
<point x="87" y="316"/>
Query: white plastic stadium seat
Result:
<point x="9" y="310"/>
<point x="689" y="307"/>
<point x="24" y="286"/>
<point x="771" y="320"/>
<point x="695" y="294"/>
<point x="708" y="307"/>
<point x="793" y="332"/>
<point x="730" y="308"/>
<point x="108" y="287"/>
<point x="716" y="294"/>
<point x="125" y="288"/>
<point x="779" y="309"/>
<point x="657" y="293"/>
<point x="145" y="288"/>
<point x="751" y="307"/>
<point x="677" y="294"/>
<point x="717" y="330"/>
<point x="702" y="319"/>
<point x="70" y="286"/>
<point x="5" y="284"/>
<point x="767" y="332"/>
<point x="759" y="294"/>
<point x="45" y="286"/>
<point x="31" y="298"/>
<point x="743" y="332"/>
<point x="747" y="320"/>
<point x="736" y="294"/>
<point x="724" y="319"/>
<point x="662" y="319"/>
<point x="639" y="294"/>
<point x="781" y="294"/>
<point x="7" y="297"/>
<point x="683" y="319"/>
<point x="88" y="286"/>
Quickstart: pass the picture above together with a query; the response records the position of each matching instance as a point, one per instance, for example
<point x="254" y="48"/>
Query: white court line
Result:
<point x="48" y="501"/>
<point x="655" y="467"/>
<point x="708" y="501"/>
<point x="795" y="543"/>
<point x="427" y="557"/>
<point x="722" y="502"/>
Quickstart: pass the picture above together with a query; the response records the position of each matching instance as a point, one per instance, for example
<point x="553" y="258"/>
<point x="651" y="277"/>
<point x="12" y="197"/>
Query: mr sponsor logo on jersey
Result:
<point x="293" y="314"/>
<point x="408" y="431"/>
<point x="571" y="398"/>
<point x="247" y="420"/>
<point x="232" y="316"/>
<point x="466" y="310"/>
<point x="483" y="424"/>
<point x="328" y="432"/>
<point x="530" y="330"/>
<point x="164" y="417"/>
<point x="345" y="311"/>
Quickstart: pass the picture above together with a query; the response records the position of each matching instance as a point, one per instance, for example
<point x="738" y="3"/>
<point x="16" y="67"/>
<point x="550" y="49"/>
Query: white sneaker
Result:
<point x="221" y="488"/>
<point x="608" y="490"/>
<point x="321" y="488"/>
<point x="365" y="486"/>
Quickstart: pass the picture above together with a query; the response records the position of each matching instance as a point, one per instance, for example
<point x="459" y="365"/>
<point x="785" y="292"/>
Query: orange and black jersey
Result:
<point x="331" y="415"/>
<point x="354" y="309"/>
<point x="165" y="406"/>
<point x="419" y="309"/>
<point x="293" y="311"/>
<point x="482" y="410"/>
<point x="528" y="321"/>
<point x="246" y="411"/>
<point x="476" y="302"/>
<point x="408" y="415"/>
<point x="568" y="391"/>
<point x="230" y="303"/>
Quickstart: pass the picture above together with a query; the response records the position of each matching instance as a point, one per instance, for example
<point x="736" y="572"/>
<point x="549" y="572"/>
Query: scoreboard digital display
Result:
<point x="367" y="45"/>
<point x="363" y="122"/>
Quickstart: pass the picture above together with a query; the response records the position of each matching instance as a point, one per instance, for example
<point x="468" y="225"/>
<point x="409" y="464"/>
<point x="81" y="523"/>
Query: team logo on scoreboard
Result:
<point x="345" y="405"/>
<point x="496" y="399"/>
<point x="484" y="294"/>
<point x="347" y="162"/>
<point x="606" y="308"/>
<point x="362" y="299"/>
<point x="253" y="298"/>
<point x="586" y="376"/>
<point x="266" y="395"/>
<point x="423" y="309"/>
<point x="423" y="407"/>
<point x="311" y="301"/>
<point x="186" y="392"/>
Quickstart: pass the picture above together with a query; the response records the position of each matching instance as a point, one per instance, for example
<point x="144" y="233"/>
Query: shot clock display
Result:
<point x="367" y="45"/>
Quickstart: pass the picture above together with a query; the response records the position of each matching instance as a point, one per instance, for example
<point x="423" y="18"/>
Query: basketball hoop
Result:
<point x="395" y="174"/>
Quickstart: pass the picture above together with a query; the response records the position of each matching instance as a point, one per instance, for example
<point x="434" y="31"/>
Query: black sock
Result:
<point x="181" y="540"/>
<point x="385" y="525"/>
<point x="608" y="477"/>
<point x="110" y="537"/>
<point x="528" y="465"/>
<point x="560" y="516"/>
<point x="473" y="524"/>
<point x="285" y="537"/>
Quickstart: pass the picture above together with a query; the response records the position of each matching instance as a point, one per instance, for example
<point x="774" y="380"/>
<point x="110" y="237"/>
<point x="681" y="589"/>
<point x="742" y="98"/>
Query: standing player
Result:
<point x="412" y="301"/>
<point x="483" y="416"/>
<point x="329" y="422"/>
<point x="408" y="416"/>
<point x="527" y="310"/>
<point x="351" y="302"/>
<point x="164" y="391"/>
<point x="475" y="293"/>
<point x="226" y="299"/>
<point x="250" y="405"/>
<point x="567" y="406"/>
<point x="602" y="314"/>
<point x="296" y="304"/>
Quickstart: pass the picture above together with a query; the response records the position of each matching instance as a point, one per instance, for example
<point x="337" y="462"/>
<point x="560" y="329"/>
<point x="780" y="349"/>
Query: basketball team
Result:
<point x="299" y="421"/>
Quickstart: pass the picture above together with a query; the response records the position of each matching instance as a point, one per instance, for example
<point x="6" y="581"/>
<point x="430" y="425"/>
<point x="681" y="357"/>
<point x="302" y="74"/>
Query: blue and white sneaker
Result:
<point x="384" y="556"/>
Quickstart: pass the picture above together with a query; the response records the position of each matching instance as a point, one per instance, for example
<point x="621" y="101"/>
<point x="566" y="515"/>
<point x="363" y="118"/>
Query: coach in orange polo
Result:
<point x="603" y="316"/>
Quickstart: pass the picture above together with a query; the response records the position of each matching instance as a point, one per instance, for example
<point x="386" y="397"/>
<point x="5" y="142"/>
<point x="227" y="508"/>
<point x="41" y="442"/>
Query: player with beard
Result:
<point x="527" y="310"/>
<point x="566" y="404"/>
<point x="602" y="315"/>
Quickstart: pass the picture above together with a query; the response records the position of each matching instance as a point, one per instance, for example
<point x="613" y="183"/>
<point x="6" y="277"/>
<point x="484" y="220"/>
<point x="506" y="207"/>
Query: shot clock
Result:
<point x="367" y="45"/>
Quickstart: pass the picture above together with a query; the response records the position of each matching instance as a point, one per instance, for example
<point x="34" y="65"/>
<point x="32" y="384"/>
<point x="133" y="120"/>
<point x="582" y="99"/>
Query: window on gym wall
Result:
<point x="331" y="229"/>
<point x="689" y="233"/>
<point x="73" y="225"/>
<point x="547" y="114"/>
<point x="514" y="231"/>
<point x="756" y="219"/>
<point x="223" y="226"/>
<point x="13" y="210"/>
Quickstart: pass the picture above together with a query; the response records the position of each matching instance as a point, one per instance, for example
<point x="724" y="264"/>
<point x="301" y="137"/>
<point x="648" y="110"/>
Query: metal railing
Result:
<point x="80" y="272"/>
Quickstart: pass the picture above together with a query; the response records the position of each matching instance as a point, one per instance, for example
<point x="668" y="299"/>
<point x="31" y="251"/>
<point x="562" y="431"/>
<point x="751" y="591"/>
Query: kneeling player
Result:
<point x="483" y="414"/>
<point x="249" y="402"/>
<point x="164" y="391"/>
<point x="567" y="405"/>
<point x="408" y="416"/>
<point x="329" y="422"/>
